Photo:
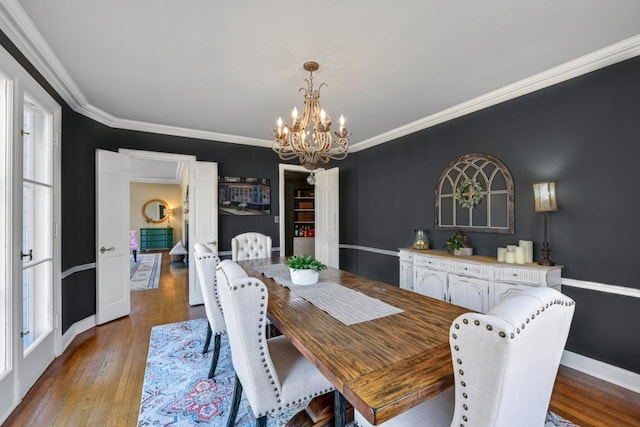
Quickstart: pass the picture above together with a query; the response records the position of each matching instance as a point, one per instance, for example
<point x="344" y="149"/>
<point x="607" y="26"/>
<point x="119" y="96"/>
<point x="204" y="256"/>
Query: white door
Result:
<point x="37" y="240"/>
<point x="327" y="206"/>
<point x="112" y="243"/>
<point x="30" y="251"/>
<point x="203" y="217"/>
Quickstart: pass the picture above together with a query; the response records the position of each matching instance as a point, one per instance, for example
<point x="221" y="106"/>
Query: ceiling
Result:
<point x="226" y="70"/>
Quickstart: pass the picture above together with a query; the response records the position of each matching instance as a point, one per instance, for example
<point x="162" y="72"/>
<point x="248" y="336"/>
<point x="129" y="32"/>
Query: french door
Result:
<point x="30" y="255"/>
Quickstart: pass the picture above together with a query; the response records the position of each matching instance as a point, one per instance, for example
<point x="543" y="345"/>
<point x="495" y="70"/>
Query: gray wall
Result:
<point x="584" y="134"/>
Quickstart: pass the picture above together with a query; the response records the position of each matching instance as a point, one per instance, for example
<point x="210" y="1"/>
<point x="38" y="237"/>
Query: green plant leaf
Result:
<point x="305" y="262"/>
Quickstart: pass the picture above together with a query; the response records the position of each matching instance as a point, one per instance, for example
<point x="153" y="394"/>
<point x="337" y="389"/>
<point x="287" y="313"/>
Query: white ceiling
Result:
<point x="226" y="70"/>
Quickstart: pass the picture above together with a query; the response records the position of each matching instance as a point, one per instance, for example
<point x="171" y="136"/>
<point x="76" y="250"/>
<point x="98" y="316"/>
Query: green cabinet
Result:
<point x="156" y="238"/>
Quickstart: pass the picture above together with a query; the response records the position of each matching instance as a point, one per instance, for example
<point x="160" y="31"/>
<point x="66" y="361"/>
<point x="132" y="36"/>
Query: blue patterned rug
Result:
<point x="177" y="393"/>
<point x="144" y="274"/>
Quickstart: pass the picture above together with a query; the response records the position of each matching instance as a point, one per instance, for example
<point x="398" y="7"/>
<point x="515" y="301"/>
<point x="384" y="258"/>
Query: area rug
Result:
<point x="177" y="393"/>
<point x="176" y="390"/>
<point x="145" y="272"/>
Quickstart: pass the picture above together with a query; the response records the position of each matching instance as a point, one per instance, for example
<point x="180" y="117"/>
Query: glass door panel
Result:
<point x="37" y="220"/>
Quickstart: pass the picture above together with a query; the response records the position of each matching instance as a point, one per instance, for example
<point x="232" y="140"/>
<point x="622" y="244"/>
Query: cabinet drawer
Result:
<point x="406" y="256"/>
<point x="436" y="263"/>
<point x="518" y="275"/>
<point x="474" y="270"/>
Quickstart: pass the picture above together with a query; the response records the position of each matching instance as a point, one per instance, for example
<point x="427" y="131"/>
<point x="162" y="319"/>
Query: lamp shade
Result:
<point x="545" y="196"/>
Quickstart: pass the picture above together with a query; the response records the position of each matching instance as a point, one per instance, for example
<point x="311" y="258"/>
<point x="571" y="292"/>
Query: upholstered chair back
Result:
<point x="206" y="263"/>
<point x="250" y="246"/>
<point x="244" y="303"/>
<point x="505" y="362"/>
<point x="133" y="240"/>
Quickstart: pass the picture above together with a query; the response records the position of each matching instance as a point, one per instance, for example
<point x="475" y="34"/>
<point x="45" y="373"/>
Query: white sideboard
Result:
<point x="475" y="282"/>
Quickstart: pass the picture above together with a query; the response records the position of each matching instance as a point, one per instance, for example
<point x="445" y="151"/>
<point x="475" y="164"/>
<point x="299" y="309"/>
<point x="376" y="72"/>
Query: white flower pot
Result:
<point x="304" y="277"/>
<point x="463" y="251"/>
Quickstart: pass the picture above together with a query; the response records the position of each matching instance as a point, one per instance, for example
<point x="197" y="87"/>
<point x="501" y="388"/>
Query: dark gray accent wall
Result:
<point x="584" y="134"/>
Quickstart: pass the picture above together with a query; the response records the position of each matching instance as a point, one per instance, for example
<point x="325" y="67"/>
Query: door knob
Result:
<point x="103" y="249"/>
<point x="214" y="243"/>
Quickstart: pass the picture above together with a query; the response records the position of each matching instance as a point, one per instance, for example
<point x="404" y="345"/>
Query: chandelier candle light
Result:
<point x="309" y="136"/>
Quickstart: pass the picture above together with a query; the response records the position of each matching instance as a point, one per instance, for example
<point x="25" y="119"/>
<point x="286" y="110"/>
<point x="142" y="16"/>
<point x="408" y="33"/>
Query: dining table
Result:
<point x="394" y="359"/>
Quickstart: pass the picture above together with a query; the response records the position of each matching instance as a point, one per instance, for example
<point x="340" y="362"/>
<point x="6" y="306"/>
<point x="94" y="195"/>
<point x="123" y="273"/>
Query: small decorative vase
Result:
<point x="463" y="251"/>
<point x="304" y="277"/>
<point x="420" y="239"/>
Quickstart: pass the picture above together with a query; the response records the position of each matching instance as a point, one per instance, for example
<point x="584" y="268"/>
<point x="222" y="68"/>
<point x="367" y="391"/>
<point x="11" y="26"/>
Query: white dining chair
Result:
<point x="505" y="363"/>
<point x="206" y="262"/>
<point x="271" y="372"/>
<point x="250" y="245"/>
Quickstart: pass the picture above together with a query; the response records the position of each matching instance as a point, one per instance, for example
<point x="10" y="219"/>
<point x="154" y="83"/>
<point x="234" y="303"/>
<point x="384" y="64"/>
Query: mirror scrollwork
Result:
<point x="475" y="193"/>
<point x="154" y="211"/>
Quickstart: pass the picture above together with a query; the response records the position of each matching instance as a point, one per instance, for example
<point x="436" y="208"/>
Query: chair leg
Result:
<point x="216" y="354"/>
<point x="208" y="340"/>
<point x="262" y="421"/>
<point x="235" y="404"/>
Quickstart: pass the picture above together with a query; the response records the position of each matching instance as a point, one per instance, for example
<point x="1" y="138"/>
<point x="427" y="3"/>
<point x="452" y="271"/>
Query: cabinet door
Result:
<point x="504" y="290"/>
<point x="432" y="283"/>
<point x="469" y="292"/>
<point x="406" y="275"/>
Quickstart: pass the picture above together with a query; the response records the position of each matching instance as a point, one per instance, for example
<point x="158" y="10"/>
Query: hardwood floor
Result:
<point x="98" y="380"/>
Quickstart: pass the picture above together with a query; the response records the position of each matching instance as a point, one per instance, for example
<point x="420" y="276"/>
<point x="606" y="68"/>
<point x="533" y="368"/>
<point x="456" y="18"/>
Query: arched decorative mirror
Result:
<point x="154" y="211"/>
<point x="475" y="193"/>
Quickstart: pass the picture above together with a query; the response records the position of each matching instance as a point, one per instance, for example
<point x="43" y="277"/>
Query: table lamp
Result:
<point x="545" y="201"/>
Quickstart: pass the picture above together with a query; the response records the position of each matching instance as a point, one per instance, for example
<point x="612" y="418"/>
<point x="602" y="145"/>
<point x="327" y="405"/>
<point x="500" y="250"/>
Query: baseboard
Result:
<point x="604" y="371"/>
<point x="75" y="330"/>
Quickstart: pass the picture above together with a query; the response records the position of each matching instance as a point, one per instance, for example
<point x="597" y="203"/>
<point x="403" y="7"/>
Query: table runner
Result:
<point x="346" y="305"/>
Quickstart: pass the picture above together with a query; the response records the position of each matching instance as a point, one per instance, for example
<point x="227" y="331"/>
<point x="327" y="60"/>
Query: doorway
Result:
<point x="299" y="224"/>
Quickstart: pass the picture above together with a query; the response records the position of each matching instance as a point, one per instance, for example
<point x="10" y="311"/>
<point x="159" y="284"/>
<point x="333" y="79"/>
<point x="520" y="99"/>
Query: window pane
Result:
<point x="36" y="141"/>
<point x="5" y="183"/>
<point x="36" y="223"/>
<point x="36" y="288"/>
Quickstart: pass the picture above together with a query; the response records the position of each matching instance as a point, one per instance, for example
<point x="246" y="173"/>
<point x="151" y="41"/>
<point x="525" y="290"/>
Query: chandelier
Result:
<point x="309" y="136"/>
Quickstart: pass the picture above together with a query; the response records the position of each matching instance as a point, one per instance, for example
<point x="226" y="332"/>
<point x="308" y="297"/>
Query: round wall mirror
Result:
<point x="154" y="211"/>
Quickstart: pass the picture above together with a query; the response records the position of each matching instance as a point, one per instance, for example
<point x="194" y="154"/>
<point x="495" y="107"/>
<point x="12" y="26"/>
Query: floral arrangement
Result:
<point x="469" y="193"/>
<point x="305" y="262"/>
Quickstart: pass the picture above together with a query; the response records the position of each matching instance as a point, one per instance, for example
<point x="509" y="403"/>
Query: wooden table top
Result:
<point x="382" y="367"/>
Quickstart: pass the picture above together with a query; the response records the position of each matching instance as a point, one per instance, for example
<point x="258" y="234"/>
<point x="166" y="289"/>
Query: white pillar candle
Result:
<point x="510" y="257"/>
<point x="511" y="248"/>
<point x="520" y="255"/>
<point x="502" y="254"/>
<point x="528" y="250"/>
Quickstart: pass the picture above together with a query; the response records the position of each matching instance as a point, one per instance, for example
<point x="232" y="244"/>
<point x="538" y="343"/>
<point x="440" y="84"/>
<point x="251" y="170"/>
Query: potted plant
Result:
<point x="458" y="244"/>
<point x="304" y="269"/>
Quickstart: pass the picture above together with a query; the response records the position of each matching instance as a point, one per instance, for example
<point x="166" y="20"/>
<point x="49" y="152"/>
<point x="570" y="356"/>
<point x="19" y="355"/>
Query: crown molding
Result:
<point x="188" y="133"/>
<point x="23" y="33"/>
<point x="609" y="55"/>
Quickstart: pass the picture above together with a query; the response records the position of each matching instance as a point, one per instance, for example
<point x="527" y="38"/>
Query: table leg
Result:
<point x="340" y="409"/>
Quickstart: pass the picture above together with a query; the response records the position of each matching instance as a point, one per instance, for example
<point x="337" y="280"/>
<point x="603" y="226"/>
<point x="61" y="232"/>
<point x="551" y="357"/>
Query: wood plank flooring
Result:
<point x="98" y="380"/>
